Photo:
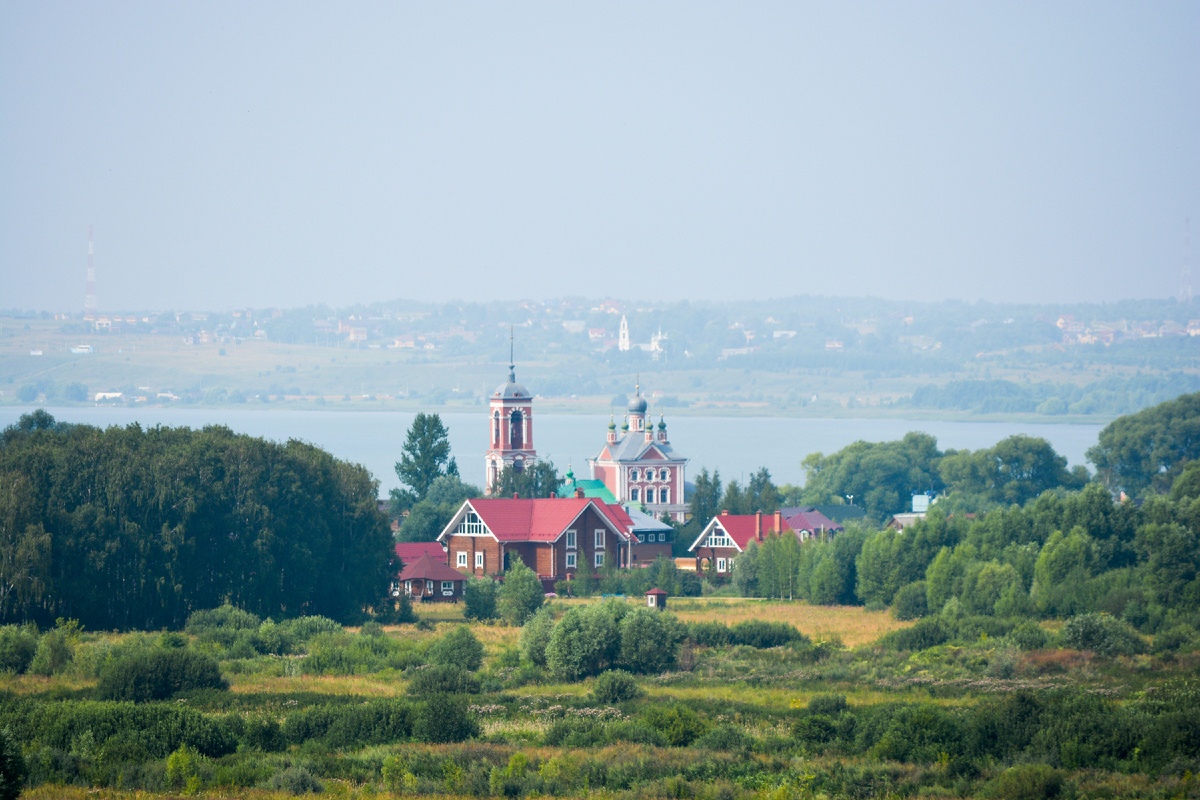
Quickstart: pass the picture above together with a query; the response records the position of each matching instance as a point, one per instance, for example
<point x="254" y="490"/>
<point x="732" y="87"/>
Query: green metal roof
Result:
<point x="590" y="488"/>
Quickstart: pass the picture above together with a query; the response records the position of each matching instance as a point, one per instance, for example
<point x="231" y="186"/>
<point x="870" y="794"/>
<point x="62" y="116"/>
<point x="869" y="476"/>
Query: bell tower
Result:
<point x="510" y="421"/>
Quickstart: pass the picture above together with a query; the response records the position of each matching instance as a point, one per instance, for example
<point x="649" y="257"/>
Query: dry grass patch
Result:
<point x="374" y="685"/>
<point x="853" y="625"/>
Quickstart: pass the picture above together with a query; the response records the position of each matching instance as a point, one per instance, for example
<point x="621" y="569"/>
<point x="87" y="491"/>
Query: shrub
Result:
<point x="17" y="648"/>
<point x="443" y="718"/>
<point x="458" y="647"/>
<point x="1176" y="638"/>
<point x="1025" y="782"/>
<point x="297" y="780"/>
<point x="305" y="628"/>
<point x="221" y="624"/>
<point x="155" y="674"/>
<point x="13" y="770"/>
<point x="521" y="595"/>
<point x="1102" y="634"/>
<point x="615" y="686"/>
<point x="761" y="634"/>
<point x="910" y="602"/>
<point x="54" y="651"/>
<point x="479" y="598"/>
<point x="443" y="679"/>
<point x="1029" y="636"/>
<point x="586" y="641"/>
<point x="830" y="705"/>
<point x="648" y="641"/>
<point x="265" y="734"/>
<point x="678" y="723"/>
<point x="710" y="634"/>
<point x="725" y="738"/>
<point x="535" y="635"/>
<point x="349" y="727"/>
<point x="928" y="632"/>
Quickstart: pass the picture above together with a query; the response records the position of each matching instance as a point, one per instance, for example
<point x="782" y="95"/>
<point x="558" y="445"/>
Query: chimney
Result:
<point x="579" y="492"/>
<point x="758" y="525"/>
<point x="779" y="522"/>
<point x="516" y="496"/>
<point x="724" y="512"/>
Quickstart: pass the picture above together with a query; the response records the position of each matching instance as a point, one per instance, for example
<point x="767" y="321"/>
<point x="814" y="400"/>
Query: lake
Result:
<point x="737" y="446"/>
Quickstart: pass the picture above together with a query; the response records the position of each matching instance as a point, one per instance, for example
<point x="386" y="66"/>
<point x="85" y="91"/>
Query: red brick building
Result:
<point x="727" y="536"/>
<point x="555" y="537"/>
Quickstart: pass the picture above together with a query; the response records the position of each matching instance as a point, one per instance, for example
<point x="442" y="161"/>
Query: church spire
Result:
<point x="512" y="366"/>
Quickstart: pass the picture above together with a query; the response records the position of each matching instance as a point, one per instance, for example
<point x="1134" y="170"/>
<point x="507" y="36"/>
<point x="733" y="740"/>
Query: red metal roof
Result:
<point x="742" y="527"/>
<point x="408" y="552"/>
<point x="542" y="520"/>
<point x="427" y="568"/>
<point x="809" y="519"/>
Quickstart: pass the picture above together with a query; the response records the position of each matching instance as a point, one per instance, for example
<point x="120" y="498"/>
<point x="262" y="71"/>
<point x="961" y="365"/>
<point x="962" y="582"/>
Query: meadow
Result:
<point x="844" y="709"/>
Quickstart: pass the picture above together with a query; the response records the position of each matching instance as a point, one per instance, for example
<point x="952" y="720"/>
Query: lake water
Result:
<point x="737" y="446"/>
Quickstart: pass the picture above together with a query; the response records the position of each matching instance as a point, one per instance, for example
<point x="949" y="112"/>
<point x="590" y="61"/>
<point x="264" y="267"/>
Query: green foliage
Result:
<point x="156" y="674"/>
<point x="745" y="571"/>
<point x="443" y="718"/>
<point x="615" y="686"/>
<point x="297" y="780"/>
<point x="1148" y="450"/>
<point x="1014" y="471"/>
<point x="1102" y="634"/>
<point x="183" y="767"/>
<point x="55" y="651"/>
<point x="12" y="767"/>
<point x="586" y="641"/>
<point x="333" y="654"/>
<point x="351" y="726"/>
<point x="457" y="647"/>
<point x="425" y="456"/>
<point x="882" y="477"/>
<point x="540" y="479"/>
<point x="521" y="594"/>
<point x="535" y="637"/>
<point x="1029" y="636"/>
<point x="678" y="723"/>
<point x="1026" y="782"/>
<point x="909" y="602"/>
<point x="18" y="644"/>
<point x="150" y="524"/>
<point x="443" y="679"/>
<point x="649" y="640"/>
<point x="480" y="596"/>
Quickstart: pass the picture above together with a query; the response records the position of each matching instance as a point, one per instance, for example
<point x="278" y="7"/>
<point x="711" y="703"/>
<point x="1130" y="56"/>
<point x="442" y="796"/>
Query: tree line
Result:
<point x="137" y="528"/>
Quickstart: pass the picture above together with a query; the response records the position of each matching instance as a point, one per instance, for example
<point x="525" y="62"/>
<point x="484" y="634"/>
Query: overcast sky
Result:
<point x="281" y="154"/>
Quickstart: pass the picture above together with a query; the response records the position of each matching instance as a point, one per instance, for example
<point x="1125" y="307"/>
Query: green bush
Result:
<point x="444" y="718"/>
<point x="221" y="624"/>
<point x="479" y="598"/>
<point x="1102" y="634"/>
<point x="521" y="594"/>
<point x="910" y="602"/>
<point x="535" y="636"/>
<point x="13" y="770"/>
<point x="615" y="686"/>
<point x="1026" y="782"/>
<point x="1177" y="638"/>
<point x="761" y="634"/>
<point x="54" y="652"/>
<point x="1029" y="636"/>
<point x="928" y="632"/>
<point x="649" y="641"/>
<point x="443" y="679"/>
<point x="678" y="723"/>
<point x="155" y="674"/>
<point x="305" y="628"/>
<point x="458" y="647"/>
<point x="297" y="780"/>
<point x="351" y="726"/>
<point x="829" y="705"/>
<point x="18" y="644"/>
<point x="710" y="634"/>
<point x="726" y="738"/>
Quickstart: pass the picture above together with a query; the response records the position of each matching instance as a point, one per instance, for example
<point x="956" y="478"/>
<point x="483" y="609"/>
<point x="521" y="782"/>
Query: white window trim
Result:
<point x="447" y="587"/>
<point x="599" y="538"/>
<point x="633" y="474"/>
<point x="570" y="540"/>
<point x="633" y="494"/>
<point x="720" y="565"/>
<point x="599" y="560"/>
<point x="479" y="561"/>
<point x="571" y="561"/>
<point x="462" y="558"/>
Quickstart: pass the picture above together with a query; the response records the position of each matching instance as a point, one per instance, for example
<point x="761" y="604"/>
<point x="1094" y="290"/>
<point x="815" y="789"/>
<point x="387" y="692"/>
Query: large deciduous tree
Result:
<point x="1147" y="450"/>
<point x="425" y="457"/>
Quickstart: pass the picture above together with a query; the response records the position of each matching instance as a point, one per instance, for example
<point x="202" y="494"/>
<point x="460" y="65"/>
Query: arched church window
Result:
<point x="496" y="428"/>
<point x="516" y="431"/>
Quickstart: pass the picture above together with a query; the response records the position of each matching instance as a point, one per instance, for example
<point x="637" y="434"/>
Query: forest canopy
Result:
<point x="137" y="528"/>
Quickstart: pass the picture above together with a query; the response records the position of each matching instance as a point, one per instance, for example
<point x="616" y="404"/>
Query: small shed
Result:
<point x="427" y="579"/>
<point x="656" y="598"/>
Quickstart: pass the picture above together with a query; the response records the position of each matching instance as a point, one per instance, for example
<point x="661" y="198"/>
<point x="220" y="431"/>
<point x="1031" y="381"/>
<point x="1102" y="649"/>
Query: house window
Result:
<point x="462" y="559"/>
<point x="716" y="539"/>
<point x="428" y="587"/>
<point x="642" y="537"/>
<point x="650" y="495"/>
<point x="471" y="525"/>
<point x="633" y="474"/>
<point x="447" y="588"/>
<point x="664" y="495"/>
<point x="408" y="587"/>
<point x="664" y="475"/>
<point x="570" y="540"/>
<point x="570" y="561"/>
<point x="662" y="537"/>
<point x="599" y="559"/>
<point x="599" y="538"/>
<point x="633" y="494"/>
<point x="479" y="561"/>
<point x="720" y="565"/>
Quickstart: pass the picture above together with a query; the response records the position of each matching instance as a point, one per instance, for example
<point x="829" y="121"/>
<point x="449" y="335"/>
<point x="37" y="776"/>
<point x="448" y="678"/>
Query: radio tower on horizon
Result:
<point x="89" y="299"/>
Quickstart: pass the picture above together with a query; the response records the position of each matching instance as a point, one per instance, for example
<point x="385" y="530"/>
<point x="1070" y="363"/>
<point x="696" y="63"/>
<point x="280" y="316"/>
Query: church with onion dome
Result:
<point x="638" y="465"/>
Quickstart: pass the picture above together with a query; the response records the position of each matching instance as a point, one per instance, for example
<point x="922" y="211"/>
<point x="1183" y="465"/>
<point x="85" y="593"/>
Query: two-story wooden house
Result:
<point x="555" y="537"/>
<point x="727" y="535"/>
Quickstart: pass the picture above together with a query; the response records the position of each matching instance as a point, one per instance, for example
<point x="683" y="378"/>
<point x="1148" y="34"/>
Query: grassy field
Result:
<point x="755" y="702"/>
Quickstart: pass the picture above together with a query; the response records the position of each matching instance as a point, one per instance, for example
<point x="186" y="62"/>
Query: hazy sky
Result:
<point x="254" y="153"/>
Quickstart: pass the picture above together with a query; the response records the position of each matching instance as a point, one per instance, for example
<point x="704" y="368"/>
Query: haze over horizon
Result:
<point x="274" y="154"/>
